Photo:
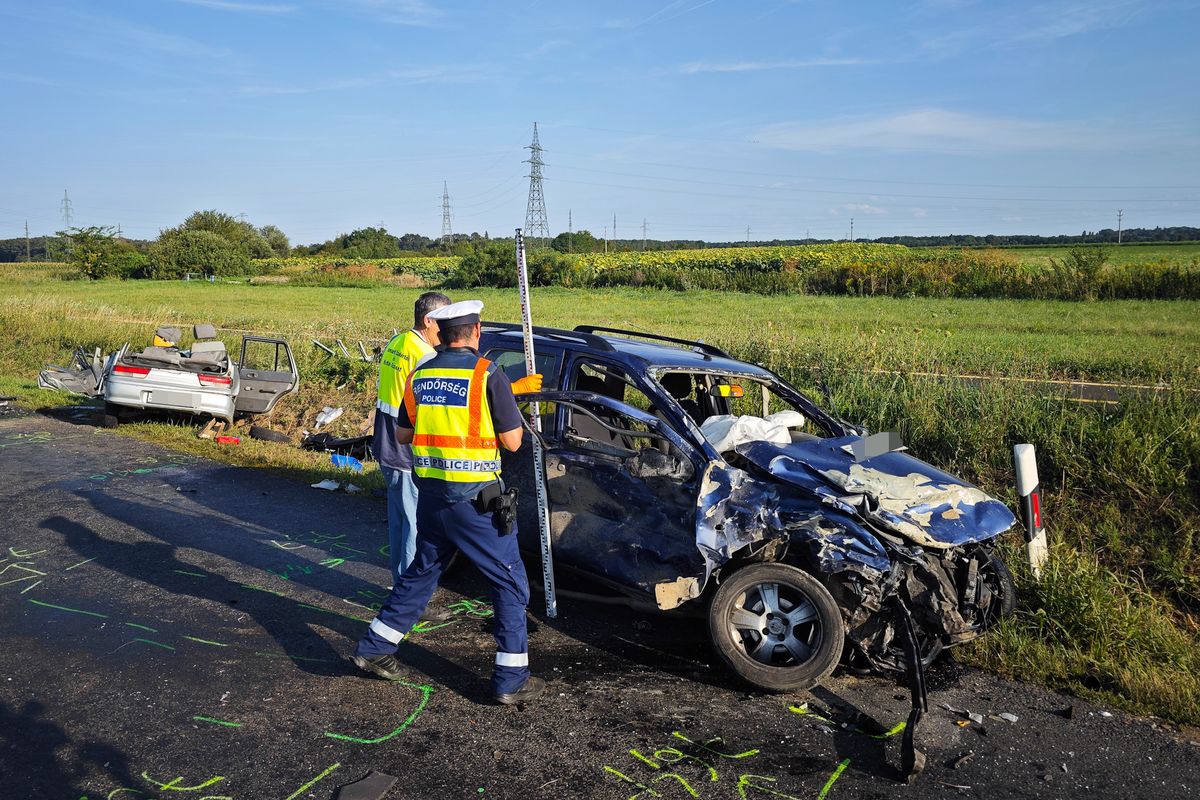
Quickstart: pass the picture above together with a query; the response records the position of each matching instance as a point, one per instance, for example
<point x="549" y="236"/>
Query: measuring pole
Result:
<point x="535" y="418"/>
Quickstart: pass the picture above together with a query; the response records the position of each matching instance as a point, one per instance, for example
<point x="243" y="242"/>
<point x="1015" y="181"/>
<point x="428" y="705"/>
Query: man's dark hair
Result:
<point x="455" y="334"/>
<point x="430" y="301"/>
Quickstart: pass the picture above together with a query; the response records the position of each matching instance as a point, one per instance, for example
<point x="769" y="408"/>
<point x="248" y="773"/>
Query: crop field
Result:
<point x="1126" y="253"/>
<point x="1116" y="616"/>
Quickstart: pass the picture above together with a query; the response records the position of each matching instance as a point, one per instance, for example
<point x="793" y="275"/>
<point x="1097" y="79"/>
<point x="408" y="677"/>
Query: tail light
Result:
<point x="121" y="369"/>
<point x="216" y="380"/>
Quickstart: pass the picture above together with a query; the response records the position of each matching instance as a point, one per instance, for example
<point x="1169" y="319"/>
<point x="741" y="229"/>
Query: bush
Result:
<point x="96" y="253"/>
<point x="181" y="251"/>
<point x="494" y="264"/>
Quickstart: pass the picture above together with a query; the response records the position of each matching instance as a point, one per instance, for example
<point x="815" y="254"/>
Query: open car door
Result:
<point x="623" y="490"/>
<point x="266" y="372"/>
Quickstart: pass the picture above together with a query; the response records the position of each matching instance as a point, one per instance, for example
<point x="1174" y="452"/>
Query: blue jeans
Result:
<point x="446" y="527"/>
<point x="402" y="519"/>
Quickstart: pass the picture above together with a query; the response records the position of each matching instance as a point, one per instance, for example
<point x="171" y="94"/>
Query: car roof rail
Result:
<point x="703" y="347"/>
<point x="597" y="342"/>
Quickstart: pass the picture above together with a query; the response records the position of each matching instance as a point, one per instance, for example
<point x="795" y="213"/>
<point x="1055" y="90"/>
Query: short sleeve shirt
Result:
<point x="505" y="417"/>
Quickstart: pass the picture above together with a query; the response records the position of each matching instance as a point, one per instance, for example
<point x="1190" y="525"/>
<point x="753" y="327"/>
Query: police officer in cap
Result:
<point x="458" y="410"/>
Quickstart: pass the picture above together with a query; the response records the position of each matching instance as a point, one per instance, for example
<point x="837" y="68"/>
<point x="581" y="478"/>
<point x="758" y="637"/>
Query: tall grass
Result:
<point x="1114" y="618"/>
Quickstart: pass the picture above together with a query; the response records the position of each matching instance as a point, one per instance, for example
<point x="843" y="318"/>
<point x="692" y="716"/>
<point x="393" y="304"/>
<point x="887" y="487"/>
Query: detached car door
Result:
<point x="266" y="372"/>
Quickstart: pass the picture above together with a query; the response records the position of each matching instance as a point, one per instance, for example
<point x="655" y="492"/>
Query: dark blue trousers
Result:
<point x="445" y="527"/>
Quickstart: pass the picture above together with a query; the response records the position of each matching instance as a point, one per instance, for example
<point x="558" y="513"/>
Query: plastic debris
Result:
<point x="352" y="489"/>
<point x="328" y="414"/>
<point x="1007" y="716"/>
<point x="328" y="485"/>
<point x="976" y="718"/>
<point x="1106" y="713"/>
<point x="346" y="462"/>
<point x="229" y="440"/>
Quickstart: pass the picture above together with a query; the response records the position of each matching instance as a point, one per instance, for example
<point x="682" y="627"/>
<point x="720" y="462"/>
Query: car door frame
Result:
<point x="254" y="376"/>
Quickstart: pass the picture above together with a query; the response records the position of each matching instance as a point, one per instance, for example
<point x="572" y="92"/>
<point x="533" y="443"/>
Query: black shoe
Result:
<point x="386" y="666"/>
<point x="436" y="617"/>
<point x="530" y="690"/>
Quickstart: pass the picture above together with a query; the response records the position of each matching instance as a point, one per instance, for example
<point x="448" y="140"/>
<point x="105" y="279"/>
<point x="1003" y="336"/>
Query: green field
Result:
<point x="1116" y="617"/>
<point x="1181" y="253"/>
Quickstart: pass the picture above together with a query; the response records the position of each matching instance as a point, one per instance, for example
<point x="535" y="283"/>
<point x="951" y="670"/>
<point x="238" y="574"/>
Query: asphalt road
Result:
<point x="176" y="628"/>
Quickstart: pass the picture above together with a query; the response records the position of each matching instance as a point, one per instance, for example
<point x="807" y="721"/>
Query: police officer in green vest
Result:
<point x="396" y="364"/>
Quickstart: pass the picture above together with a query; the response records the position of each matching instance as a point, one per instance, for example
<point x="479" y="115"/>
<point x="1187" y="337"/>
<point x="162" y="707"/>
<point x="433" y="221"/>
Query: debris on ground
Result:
<point x="229" y="440"/>
<point x="963" y="759"/>
<point x="328" y="415"/>
<point x="346" y="462"/>
<point x="350" y="488"/>
<point x="85" y="376"/>
<point x="212" y="429"/>
<point x="1007" y="717"/>
<point x="356" y="446"/>
<point x="265" y="434"/>
<point x="328" y="485"/>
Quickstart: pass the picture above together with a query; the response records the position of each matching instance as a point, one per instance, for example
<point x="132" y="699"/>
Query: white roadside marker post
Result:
<point x="535" y="419"/>
<point x="1030" y="493"/>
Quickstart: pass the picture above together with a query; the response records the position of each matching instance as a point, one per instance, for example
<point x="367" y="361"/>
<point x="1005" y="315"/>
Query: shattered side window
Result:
<point x="613" y="382"/>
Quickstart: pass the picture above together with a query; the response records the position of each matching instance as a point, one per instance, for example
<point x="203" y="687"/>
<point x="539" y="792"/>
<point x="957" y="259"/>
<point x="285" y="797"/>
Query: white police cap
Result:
<point x="464" y="312"/>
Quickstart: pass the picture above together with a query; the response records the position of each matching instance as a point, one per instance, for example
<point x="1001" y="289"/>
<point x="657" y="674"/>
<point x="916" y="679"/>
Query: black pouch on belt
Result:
<point x="503" y="504"/>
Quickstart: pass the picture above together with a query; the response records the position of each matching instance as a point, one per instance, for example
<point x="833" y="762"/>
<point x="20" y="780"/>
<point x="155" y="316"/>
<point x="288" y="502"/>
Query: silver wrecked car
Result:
<point x="201" y="379"/>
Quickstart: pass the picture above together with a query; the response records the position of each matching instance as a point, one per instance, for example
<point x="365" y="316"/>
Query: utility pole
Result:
<point x="1120" y="214"/>
<point x="606" y="240"/>
<point x="614" y="232"/>
<point x="65" y="209"/>
<point x="570" y="233"/>
<point x="536" y="226"/>
<point x="119" y="230"/>
<point x="747" y="236"/>
<point x="643" y="234"/>
<point x="28" y="252"/>
<point x="852" y="229"/>
<point x="447" y="235"/>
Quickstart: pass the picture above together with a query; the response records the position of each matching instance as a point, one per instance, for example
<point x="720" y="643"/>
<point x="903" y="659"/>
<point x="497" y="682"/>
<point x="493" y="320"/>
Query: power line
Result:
<point x="65" y="209"/>
<point x="1120" y="214"/>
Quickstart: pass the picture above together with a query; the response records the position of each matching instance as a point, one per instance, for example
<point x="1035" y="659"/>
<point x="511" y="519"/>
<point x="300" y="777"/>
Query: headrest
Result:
<point x="204" y="331"/>
<point x="168" y="333"/>
<point x="677" y="384"/>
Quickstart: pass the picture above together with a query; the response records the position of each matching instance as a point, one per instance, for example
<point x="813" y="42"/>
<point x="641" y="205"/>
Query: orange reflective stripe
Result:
<point x="457" y="442"/>
<point x="410" y="401"/>
<point x="475" y="400"/>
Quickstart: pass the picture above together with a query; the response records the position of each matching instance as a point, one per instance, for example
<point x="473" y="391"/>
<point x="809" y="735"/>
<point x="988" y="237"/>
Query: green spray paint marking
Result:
<point x="205" y="641"/>
<point x="312" y="783"/>
<point x="898" y="727"/>
<point x="142" y="627"/>
<point x="804" y="712"/>
<point x="837" y="773"/>
<point x="80" y="564"/>
<point x="173" y="784"/>
<point x="193" y="574"/>
<point x="297" y="658"/>
<point x="64" y="608"/>
<point x="335" y="613"/>
<point x="226" y="723"/>
<point x="426" y="691"/>
<point x="156" y="644"/>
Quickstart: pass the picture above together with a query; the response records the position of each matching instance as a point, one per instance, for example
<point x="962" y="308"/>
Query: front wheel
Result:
<point x="776" y="627"/>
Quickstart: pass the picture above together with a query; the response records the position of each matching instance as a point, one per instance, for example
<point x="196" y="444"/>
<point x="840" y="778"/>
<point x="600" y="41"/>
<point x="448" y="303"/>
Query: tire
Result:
<point x="268" y="435"/>
<point x="750" y="623"/>
<point x="999" y="580"/>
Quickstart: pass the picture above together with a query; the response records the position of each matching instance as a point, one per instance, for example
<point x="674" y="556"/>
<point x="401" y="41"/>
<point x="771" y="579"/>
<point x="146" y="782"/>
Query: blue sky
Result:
<point x="701" y="117"/>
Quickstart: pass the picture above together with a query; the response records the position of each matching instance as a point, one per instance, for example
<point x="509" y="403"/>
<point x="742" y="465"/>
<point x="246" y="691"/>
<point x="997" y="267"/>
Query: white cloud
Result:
<point x="920" y="213"/>
<point x="416" y="13"/>
<point x="864" y="208"/>
<point x="1001" y="26"/>
<point x="455" y="73"/>
<point x="940" y="131"/>
<point x="231" y="5"/>
<point x="757" y="66"/>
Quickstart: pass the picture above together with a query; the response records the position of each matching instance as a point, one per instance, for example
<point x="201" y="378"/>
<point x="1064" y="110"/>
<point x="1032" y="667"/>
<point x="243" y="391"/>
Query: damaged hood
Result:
<point x="894" y="490"/>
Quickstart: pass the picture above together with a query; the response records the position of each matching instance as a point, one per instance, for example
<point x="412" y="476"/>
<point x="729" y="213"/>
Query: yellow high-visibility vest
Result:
<point x="454" y="438"/>
<point x="396" y="363"/>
